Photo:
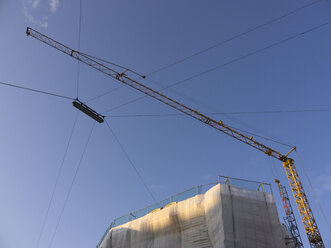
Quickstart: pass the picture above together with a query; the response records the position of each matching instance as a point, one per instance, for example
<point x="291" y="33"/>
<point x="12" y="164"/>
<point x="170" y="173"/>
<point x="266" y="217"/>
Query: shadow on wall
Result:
<point x="225" y="216"/>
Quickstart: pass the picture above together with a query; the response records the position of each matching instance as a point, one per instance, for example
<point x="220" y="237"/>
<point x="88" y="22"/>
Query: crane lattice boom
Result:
<point x="290" y="218"/>
<point x="306" y="214"/>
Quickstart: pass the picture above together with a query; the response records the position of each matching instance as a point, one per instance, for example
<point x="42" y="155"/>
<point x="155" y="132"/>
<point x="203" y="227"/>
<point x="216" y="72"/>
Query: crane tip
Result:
<point x="27" y="31"/>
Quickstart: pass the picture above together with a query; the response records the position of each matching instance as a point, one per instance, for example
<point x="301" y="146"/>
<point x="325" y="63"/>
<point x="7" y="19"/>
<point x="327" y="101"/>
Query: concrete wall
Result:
<point x="223" y="217"/>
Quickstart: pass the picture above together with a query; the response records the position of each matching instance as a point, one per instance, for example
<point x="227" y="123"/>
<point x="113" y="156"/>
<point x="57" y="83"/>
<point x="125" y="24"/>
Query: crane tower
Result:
<point x="306" y="214"/>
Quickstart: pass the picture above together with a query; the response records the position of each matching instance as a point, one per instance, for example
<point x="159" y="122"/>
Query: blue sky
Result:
<point x="172" y="153"/>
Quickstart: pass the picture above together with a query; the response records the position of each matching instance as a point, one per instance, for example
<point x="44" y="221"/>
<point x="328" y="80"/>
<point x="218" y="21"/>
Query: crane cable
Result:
<point x="57" y="181"/>
<point x="227" y="63"/>
<point x="247" y="132"/>
<point x="79" y="31"/>
<point x="131" y="162"/>
<point x="272" y="168"/>
<point x="234" y="37"/>
<point x="104" y="94"/>
<point x="226" y="113"/>
<point x="71" y="186"/>
<point x="313" y="190"/>
<point x="233" y="113"/>
<point x="111" y="63"/>
<point x="217" y="67"/>
<point x="262" y="137"/>
<point x="240" y="122"/>
<point x="158" y="115"/>
<point x="208" y="48"/>
<point x="37" y="91"/>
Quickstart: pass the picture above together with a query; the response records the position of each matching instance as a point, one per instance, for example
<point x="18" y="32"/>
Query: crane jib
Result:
<point x="301" y="199"/>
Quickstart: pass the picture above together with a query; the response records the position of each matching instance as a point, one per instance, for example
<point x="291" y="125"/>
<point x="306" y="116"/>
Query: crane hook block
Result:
<point x="88" y="111"/>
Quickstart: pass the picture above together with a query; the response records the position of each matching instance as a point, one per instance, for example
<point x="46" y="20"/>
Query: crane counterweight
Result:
<point x="88" y="111"/>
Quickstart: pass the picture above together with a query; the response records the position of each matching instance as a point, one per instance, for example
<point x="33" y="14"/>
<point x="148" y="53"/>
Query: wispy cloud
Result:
<point x="324" y="182"/>
<point x="54" y="4"/>
<point x="37" y="12"/>
<point x="35" y="4"/>
<point x="43" y="23"/>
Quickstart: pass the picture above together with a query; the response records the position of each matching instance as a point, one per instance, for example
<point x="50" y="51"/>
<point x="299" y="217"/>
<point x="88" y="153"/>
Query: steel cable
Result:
<point x="227" y="113"/>
<point x="79" y="31"/>
<point x="234" y="37"/>
<point x="70" y="187"/>
<point x="314" y="192"/>
<point x="226" y="63"/>
<point x="211" y="47"/>
<point x="130" y="161"/>
<point x="37" y="91"/>
<point x="57" y="181"/>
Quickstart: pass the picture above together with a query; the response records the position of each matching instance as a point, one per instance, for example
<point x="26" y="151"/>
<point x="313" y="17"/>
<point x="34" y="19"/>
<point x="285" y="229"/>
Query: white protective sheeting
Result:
<point x="223" y="217"/>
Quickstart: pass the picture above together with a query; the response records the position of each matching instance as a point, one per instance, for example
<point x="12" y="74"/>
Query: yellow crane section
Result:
<point x="301" y="199"/>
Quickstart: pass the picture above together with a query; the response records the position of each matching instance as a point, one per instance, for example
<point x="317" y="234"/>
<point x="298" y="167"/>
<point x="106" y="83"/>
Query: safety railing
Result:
<point x="200" y="189"/>
<point x="246" y="184"/>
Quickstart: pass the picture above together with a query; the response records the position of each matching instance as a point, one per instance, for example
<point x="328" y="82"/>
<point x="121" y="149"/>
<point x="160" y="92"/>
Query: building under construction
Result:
<point x="209" y="216"/>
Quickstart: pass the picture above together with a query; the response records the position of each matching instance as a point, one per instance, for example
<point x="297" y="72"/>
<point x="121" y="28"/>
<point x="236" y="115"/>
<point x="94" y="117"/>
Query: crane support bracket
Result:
<point x="88" y="111"/>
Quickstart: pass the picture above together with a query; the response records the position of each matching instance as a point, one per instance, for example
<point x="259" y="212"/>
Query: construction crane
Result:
<point x="301" y="199"/>
<point x="290" y="218"/>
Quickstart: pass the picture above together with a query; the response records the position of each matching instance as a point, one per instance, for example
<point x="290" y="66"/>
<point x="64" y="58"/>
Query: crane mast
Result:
<point x="301" y="199"/>
<point x="290" y="218"/>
